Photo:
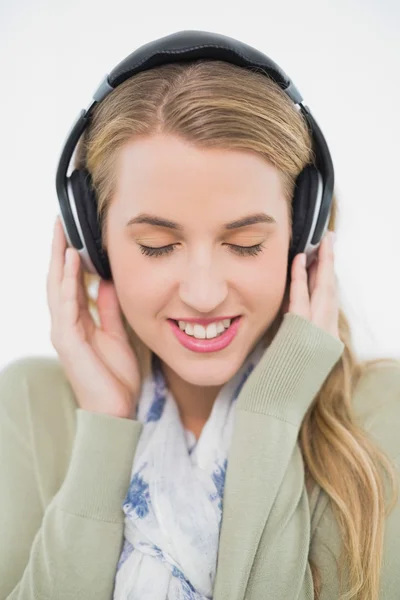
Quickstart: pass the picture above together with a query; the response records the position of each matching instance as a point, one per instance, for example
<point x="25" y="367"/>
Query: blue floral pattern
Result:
<point x="218" y="477"/>
<point x="126" y="551"/>
<point x="138" y="497"/>
<point x="157" y="406"/>
<point x="189" y="593"/>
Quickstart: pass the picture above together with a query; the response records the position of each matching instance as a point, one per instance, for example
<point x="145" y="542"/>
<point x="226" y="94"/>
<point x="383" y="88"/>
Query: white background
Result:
<point x="344" y="57"/>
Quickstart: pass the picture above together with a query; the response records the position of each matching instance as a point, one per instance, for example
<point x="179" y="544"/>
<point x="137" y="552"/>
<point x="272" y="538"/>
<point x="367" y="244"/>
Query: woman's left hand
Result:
<point x="314" y="292"/>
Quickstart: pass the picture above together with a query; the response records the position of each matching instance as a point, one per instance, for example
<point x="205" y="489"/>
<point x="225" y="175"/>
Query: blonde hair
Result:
<point x="217" y="104"/>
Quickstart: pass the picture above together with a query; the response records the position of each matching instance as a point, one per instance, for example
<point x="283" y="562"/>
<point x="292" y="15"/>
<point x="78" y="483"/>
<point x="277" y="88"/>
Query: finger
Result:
<point x="109" y="310"/>
<point x="299" y="299"/>
<point x="325" y="297"/>
<point x="325" y="278"/>
<point x="83" y="301"/>
<point x="312" y="274"/>
<point x="59" y="245"/>
<point x="69" y="311"/>
<point x="56" y="265"/>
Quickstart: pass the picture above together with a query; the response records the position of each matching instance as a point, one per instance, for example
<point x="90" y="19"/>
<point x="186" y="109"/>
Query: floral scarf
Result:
<point x="173" y="507"/>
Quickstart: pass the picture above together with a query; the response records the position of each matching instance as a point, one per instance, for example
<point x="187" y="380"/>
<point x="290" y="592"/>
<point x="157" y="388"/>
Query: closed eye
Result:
<point x="162" y="250"/>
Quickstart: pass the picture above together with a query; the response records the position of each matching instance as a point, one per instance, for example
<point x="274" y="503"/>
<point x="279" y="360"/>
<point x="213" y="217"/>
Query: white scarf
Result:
<point x="173" y="508"/>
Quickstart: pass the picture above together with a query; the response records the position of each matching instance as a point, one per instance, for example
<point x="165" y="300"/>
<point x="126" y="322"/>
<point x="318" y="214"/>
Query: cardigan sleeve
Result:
<point x="265" y="530"/>
<point x="67" y="549"/>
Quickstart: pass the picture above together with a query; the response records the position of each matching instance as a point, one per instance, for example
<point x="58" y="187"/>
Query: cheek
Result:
<point x="266" y="291"/>
<point x="138" y="290"/>
<point x="264" y="280"/>
<point x="137" y="284"/>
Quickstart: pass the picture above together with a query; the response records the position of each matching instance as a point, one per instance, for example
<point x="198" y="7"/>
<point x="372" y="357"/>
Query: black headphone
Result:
<point x="312" y="200"/>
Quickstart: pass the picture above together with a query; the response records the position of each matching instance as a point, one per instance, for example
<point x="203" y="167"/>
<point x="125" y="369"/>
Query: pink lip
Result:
<point x="206" y="321"/>
<point x="212" y="345"/>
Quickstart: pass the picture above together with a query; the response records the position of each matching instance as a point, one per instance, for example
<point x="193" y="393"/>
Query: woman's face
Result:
<point x="201" y="191"/>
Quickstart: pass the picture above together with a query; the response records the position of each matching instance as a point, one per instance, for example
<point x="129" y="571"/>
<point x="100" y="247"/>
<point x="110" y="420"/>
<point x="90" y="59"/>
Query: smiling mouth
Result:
<point x="206" y="324"/>
<point x="217" y="340"/>
<point x="193" y="324"/>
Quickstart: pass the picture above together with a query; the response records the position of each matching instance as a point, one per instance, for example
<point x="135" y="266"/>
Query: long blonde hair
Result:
<point x="217" y="104"/>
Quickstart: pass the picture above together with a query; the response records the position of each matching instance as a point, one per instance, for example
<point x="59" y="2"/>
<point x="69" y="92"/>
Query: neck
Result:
<point x="194" y="402"/>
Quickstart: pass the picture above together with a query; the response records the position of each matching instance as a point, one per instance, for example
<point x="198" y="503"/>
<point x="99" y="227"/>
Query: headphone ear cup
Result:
<point x="303" y="208"/>
<point x="86" y="207"/>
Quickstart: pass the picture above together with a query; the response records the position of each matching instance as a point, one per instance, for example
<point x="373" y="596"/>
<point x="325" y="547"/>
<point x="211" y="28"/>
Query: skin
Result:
<point x="203" y="276"/>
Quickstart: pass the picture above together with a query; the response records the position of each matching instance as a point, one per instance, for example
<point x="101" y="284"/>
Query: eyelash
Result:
<point x="241" y="250"/>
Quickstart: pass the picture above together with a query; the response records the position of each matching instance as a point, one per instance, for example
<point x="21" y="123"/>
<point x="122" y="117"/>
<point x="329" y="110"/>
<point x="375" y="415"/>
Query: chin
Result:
<point x="214" y="371"/>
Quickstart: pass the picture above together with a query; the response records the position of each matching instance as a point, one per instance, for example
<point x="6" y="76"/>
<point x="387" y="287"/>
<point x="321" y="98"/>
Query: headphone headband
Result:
<point x="195" y="45"/>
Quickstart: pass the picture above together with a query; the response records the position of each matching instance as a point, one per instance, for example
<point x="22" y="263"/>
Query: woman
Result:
<point x="208" y="430"/>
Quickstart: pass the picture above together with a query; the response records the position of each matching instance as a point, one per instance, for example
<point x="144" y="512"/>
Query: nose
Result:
<point x="203" y="288"/>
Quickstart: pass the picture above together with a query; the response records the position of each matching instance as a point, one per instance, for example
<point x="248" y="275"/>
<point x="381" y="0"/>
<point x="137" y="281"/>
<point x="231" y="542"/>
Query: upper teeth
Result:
<point x="200" y="332"/>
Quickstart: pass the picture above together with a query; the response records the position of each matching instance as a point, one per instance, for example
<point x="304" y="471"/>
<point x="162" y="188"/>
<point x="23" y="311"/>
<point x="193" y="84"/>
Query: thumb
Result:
<point x="109" y="310"/>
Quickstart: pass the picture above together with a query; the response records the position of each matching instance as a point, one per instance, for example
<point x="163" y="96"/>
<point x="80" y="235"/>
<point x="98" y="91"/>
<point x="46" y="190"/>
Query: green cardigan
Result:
<point x="64" y="473"/>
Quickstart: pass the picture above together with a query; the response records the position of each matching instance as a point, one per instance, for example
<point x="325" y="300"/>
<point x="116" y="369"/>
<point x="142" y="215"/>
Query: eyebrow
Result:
<point x="242" y="222"/>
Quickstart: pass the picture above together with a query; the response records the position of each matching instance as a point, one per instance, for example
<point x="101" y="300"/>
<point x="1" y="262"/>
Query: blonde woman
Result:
<point x="207" y="430"/>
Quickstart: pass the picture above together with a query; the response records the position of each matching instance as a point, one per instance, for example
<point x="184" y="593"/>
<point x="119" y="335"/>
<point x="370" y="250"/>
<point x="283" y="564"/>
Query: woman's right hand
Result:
<point x="99" y="362"/>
